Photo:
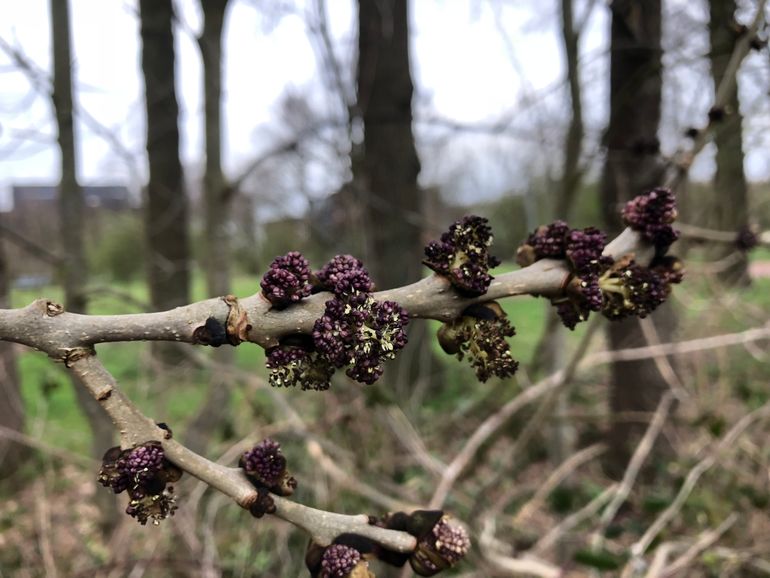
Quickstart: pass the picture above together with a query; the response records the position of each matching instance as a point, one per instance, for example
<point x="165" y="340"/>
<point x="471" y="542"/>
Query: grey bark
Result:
<point x="166" y="204"/>
<point x="632" y="166"/>
<point x="74" y="268"/>
<point x="730" y="203"/>
<point x="217" y="203"/>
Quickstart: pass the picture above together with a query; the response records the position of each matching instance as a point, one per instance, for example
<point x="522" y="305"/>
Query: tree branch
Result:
<point x="135" y="428"/>
<point x="45" y="326"/>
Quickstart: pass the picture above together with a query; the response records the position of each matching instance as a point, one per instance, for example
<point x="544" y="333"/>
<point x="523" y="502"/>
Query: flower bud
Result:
<point x="462" y="255"/>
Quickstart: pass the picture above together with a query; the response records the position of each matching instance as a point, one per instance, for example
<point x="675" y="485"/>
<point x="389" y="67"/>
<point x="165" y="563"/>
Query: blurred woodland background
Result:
<point x="154" y="153"/>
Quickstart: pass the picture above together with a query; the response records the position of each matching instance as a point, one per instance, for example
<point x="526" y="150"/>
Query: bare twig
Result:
<point x="564" y="470"/>
<point x="679" y="170"/>
<point x="662" y="363"/>
<point x="704" y="541"/>
<point x="640" y="546"/>
<point x="634" y="467"/>
<point x="58" y="453"/>
<point x="573" y="520"/>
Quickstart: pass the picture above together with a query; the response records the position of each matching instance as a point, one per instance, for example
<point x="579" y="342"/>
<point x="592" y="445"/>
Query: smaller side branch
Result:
<point x="136" y="428"/>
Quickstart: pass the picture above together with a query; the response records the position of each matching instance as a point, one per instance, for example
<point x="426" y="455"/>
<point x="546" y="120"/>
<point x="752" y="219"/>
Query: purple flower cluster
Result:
<point x="265" y="467"/>
<point x="338" y="561"/>
<point x="144" y="462"/>
<point x="746" y="239"/>
<point x="345" y="275"/>
<point x="146" y="506"/>
<point x="286" y="281"/>
<point x="355" y="331"/>
<point x="582" y="249"/>
<point x="582" y="296"/>
<point x="462" y="255"/>
<point x="652" y="214"/>
<point x="360" y="333"/>
<point x="631" y="289"/>
<point x="669" y="268"/>
<point x="265" y="462"/>
<point x="292" y="366"/>
<point x="546" y="242"/>
<point x="442" y="547"/>
<point x="144" y="473"/>
<point x="451" y="540"/>
<point x="480" y="334"/>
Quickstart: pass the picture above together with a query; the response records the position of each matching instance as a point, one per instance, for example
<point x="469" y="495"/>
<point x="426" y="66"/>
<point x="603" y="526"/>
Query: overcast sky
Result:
<point x="473" y="61"/>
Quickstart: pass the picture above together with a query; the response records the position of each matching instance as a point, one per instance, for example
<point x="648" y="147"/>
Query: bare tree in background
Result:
<point x="166" y="209"/>
<point x="730" y="190"/>
<point x="632" y="166"/>
<point x="218" y="199"/>
<point x="390" y="162"/>
<point x="74" y="269"/>
<point x="11" y="403"/>
<point x="551" y="350"/>
<point x="389" y="165"/>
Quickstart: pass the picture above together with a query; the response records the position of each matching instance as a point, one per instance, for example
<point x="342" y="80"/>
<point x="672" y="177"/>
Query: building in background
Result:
<point x="33" y="221"/>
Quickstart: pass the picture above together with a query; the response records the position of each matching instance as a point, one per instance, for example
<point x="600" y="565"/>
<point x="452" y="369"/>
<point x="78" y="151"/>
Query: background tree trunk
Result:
<point x="217" y="215"/>
<point x="632" y="166"/>
<point x="552" y="347"/>
<point x="730" y="202"/>
<point x="12" y="454"/>
<point x="390" y="161"/>
<point x="389" y="167"/>
<point x="166" y="210"/>
<point x="74" y="269"/>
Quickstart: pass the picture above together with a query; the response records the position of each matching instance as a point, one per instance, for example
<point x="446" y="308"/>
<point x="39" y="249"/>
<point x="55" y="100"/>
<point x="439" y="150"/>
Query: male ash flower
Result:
<point x="339" y="561"/>
<point x="652" y="214"/>
<point x="345" y="275"/>
<point x="144" y="462"/>
<point x="145" y="474"/>
<point x="581" y="296"/>
<point x="361" y="334"/>
<point x="462" y="255"/>
<point x="631" y="289"/>
<point x="442" y="547"/>
<point x="670" y="268"/>
<point x="547" y="242"/>
<point x="480" y="334"/>
<point x="584" y="251"/>
<point x="112" y="475"/>
<point x="286" y="281"/>
<point x="146" y="506"/>
<point x="296" y="366"/>
<point x="266" y="465"/>
<point x="746" y="239"/>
